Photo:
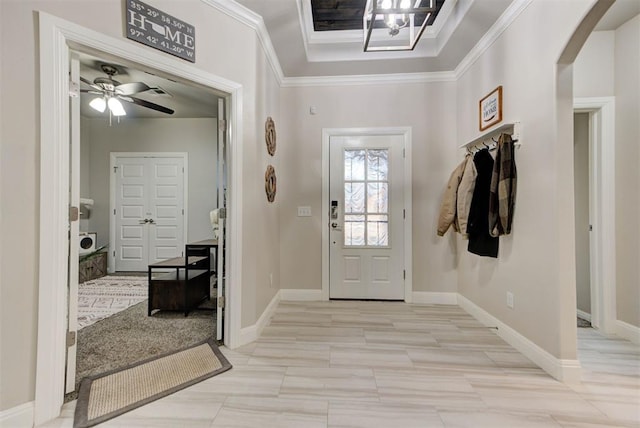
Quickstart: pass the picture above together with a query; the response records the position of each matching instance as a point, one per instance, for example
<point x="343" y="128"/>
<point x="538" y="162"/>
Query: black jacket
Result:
<point x="480" y="240"/>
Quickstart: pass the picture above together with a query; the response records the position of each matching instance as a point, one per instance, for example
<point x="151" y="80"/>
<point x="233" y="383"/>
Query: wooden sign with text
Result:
<point x="152" y="27"/>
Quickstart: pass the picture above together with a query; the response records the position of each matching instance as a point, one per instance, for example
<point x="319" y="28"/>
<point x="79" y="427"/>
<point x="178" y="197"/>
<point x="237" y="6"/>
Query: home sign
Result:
<point x="152" y="27"/>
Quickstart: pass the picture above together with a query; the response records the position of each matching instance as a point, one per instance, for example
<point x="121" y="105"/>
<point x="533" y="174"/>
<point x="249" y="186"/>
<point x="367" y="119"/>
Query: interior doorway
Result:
<point x="596" y="124"/>
<point x="140" y="210"/>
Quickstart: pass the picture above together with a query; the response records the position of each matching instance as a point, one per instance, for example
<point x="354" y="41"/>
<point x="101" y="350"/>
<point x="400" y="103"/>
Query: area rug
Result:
<point x="101" y="298"/>
<point x="111" y="394"/>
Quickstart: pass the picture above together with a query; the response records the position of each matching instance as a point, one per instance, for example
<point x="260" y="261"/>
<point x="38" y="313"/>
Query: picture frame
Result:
<point x="490" y="109"/>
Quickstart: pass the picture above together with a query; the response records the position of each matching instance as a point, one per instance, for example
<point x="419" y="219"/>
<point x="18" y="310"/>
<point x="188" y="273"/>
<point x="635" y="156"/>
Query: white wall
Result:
<point x="197" y="137"/>
<point x="581" y="185"/>
<point x="20" y="155"/>
<point x="429" y="109"/>
<point x="535" y="262"/>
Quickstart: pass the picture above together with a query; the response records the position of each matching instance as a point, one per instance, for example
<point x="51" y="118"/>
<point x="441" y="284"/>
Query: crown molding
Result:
<point x="369" y="79"/>
<point x="255" y="21"/>
<point x="505" y="20"/>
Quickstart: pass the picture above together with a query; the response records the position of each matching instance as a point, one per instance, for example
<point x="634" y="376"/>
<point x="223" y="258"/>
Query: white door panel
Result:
<point x="149" y="210"/>
<point x="366" y="229"/>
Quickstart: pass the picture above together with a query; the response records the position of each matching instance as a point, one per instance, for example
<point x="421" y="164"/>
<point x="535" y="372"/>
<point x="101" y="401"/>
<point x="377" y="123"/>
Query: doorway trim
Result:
<point x="113" y="156"/>
<point x="405" y="133"/>
<point x="57" y="38"/>
<point x="602" y="208"/>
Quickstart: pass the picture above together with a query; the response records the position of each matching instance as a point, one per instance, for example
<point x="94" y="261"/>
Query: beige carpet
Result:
<point x="111" y="394"/>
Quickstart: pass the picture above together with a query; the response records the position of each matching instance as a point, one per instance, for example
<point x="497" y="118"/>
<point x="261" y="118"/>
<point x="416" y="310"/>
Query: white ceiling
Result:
<point x="303" y="53"/>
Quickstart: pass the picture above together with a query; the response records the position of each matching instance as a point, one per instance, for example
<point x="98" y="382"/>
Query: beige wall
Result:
<point x="196" y="137"/>
<point x="593" y="74"/>
<point x="429" y="109"/>
<point x="535" y="262"/>
<point x="581" y="185"/>
<point x="241" y="61"/>
<point x="627" y="91"/>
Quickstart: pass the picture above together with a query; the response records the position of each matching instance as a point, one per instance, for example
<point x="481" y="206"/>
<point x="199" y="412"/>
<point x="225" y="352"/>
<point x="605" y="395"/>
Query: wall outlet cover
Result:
<point x="304" y="211"/>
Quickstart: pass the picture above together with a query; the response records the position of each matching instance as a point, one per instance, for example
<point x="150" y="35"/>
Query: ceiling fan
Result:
<point x="111" y="91"/>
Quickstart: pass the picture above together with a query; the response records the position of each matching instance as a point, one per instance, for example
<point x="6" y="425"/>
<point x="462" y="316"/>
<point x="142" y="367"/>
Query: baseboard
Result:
<point x="627" y="331"/>
<point x="567" y="371"/>
<point x="300" y="295"/>
<point x="583" y="315"/>
<point x="251" y="333"/>
<point x="21" y="416"/>
<point x="434" y="298"/>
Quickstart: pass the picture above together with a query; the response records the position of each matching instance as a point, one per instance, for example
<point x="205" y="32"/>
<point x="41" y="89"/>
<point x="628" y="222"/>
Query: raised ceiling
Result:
<point x="303" y="52"/>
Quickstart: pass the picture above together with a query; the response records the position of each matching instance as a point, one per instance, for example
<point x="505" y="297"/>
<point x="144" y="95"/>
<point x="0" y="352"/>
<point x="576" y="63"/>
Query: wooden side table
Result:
<point x="182" y="285"/>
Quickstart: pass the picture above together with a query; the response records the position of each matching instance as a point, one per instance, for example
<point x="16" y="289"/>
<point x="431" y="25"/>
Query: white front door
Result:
<point x="148" y="210"/>
<point x="366" y="230"/>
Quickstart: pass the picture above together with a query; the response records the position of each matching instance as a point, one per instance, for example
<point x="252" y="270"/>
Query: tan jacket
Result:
<point x="448" y="208"/>
<point x="465" y="193"/>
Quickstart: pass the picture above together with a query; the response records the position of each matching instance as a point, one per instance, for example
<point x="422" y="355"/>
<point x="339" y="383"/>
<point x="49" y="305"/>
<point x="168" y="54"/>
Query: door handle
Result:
<point x="152" y="221"/>
<point x="146" y="220"/>
<point x="334" y="225"/>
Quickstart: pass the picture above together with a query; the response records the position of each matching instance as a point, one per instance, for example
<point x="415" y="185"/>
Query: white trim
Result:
<point x="405" y="133"/>
<point x="369" y="79"/>
<point x="112" y="194"/>
<point x="251" y="333"/>
<point x="18" y="417"/>
<point x="627" y="331"/>
<point x="567" y="371"/>
<point x="583" y="315"/>
<point x="603" y="209"/>
<point x="435" y="298"/>
<point x="255" y="21"/>
<point x="56" y="37"/>
<point x="506" y="19"/>
<point x="300" y="295"/>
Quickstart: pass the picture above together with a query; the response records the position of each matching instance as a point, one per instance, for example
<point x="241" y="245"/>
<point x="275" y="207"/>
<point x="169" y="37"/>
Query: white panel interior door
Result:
<point x="131" y="246"/>
<point x="74" y="199"/>
<point x="366" y="229"/>
<point x="222" y="203"/>
<point x="149" y="210"/>
<point x="165" y="208"/>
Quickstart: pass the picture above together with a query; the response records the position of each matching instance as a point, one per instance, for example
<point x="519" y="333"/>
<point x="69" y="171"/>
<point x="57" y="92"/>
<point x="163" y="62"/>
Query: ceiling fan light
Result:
<point x="116" y="107"/>
<point x="98" y="104"/>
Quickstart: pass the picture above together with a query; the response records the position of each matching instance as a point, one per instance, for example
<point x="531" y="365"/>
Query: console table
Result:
<point x="182" y="284"/>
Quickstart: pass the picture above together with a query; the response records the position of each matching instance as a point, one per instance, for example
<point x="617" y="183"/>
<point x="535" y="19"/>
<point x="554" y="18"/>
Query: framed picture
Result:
<point x="491" y="109"/>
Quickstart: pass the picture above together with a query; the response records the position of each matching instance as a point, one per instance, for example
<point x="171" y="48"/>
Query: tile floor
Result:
<point x="374" y="364"/>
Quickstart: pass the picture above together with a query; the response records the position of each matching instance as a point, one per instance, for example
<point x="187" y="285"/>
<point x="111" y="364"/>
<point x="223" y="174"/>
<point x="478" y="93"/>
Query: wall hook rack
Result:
<point x="486" y="139"/>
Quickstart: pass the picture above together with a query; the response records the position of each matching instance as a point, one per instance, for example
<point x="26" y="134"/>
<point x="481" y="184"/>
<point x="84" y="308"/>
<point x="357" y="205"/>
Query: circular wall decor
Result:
<point x="270" y="183"/>
<point x="270" y="135"/>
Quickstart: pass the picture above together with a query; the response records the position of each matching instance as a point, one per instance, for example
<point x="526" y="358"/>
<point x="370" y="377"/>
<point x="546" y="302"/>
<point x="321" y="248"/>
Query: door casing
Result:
<point x="57" y="38"/>
<point x="405" y="133"/>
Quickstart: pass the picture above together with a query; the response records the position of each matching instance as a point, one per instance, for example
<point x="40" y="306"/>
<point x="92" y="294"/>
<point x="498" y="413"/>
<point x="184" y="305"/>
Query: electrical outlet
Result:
<point x="509" y="299"/>
<point x="304" y="211"/>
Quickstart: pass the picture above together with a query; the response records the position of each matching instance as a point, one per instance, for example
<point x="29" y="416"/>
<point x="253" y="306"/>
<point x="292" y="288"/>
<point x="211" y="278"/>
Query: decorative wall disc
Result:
<point x="270" y="135"/>
<point x="270" y="183"/>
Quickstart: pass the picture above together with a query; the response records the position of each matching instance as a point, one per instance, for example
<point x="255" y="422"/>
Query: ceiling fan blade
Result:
<point x="147" y="104"/>
<point x="131" y="88"/>
<point x="89" y="91"/>
<point x="88" y="82"/>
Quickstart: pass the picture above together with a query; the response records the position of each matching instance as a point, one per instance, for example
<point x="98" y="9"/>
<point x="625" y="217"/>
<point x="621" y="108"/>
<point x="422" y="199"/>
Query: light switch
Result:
<point x="304" y="211"/>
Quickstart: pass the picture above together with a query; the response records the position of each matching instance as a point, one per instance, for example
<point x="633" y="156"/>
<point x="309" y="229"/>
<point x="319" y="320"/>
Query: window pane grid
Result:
<point x="366" y="193"/>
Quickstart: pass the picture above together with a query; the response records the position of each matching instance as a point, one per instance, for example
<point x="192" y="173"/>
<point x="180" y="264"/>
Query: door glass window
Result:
<point x="366" y="194"/>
